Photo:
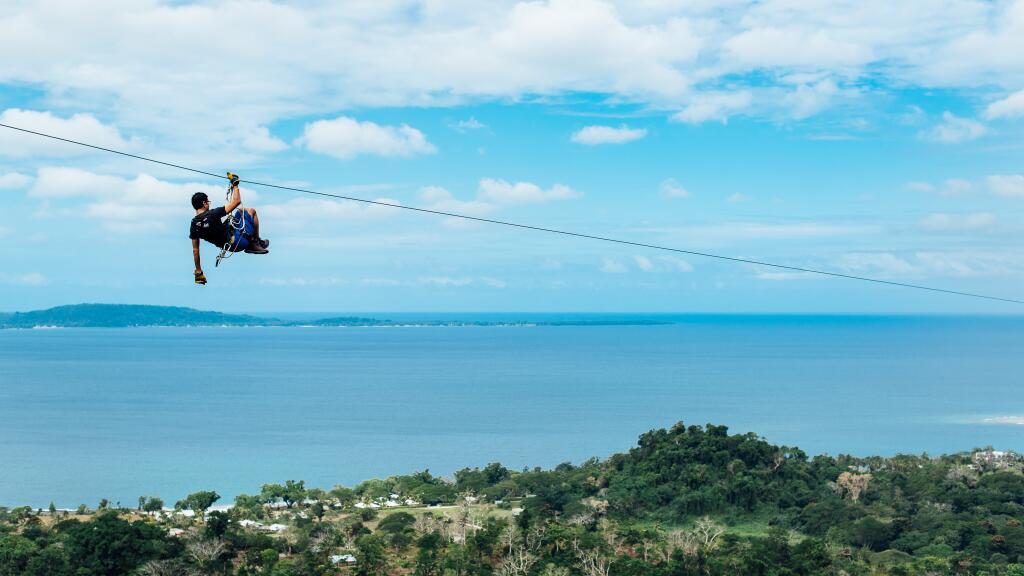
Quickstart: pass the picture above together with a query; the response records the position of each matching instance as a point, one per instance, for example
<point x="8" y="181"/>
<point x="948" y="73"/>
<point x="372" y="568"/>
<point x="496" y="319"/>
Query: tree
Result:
<point x="150" y="504"/>
<point x="15" y="554"/>
<point x="207" y="555"/>
<point x="428" y="558"/>
<point x="371" y="559"/>
<point x="290" y="492"/>
<point x="110" y="545"/>
<point x="198" y="502"/>
<point x="51" y="561"/>
<point x="345" y="496"/>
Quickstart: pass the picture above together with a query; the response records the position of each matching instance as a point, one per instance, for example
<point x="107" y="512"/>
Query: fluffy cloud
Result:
<point x="14" y="180"/>
<point x="925" y="264"/>
<point x="30" y="279"/>
<point x="957" y="222"/>
<point x="715" y="106"/>
<point x="737" y="198"/>
<point x="794" y="47"/>
<point x="593" y="135"/>
<point x="662" y="264"/>
<point x="83" y="127"/>
<point x="955" y="129"/>
<point x="671" y="189"/>
<point x="611" y="266"/>
<point x="468" y="125"/>
<point x="345" y="138"/>
<point x="316" y="57"/>
<point x="509" y="193"/>
<point x="122" y="203"/>
<point x="1010" y="107"/>
<point x="1007" y="185"/>
<point x="309" y="213"/>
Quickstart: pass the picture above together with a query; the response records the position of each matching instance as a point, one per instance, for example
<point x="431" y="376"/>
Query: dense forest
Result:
<point x="686" y="501"/>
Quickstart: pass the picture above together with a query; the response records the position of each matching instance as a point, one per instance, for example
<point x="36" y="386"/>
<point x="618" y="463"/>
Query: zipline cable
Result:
<point x="534" y="228"/>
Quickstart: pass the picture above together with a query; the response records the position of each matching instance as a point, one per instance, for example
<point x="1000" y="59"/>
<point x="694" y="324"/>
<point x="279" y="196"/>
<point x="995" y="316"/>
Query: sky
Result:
<point x="857" y="137"/>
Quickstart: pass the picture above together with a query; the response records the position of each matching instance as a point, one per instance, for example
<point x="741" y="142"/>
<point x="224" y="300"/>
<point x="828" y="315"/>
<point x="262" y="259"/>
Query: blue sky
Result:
<point x="840" y="136"/>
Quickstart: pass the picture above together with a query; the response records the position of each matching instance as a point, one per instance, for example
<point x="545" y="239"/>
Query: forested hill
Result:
<point x="134" y="315"/>
<point x="124" y="315"/>
<point x="686" y="501"/>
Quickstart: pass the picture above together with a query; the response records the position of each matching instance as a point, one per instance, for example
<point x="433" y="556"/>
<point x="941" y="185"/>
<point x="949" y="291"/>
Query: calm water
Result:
<point x="118" y="413"/>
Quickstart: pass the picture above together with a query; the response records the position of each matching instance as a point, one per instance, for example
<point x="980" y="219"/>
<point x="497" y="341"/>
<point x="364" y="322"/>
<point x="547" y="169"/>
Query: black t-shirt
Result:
<point x="210" y="227"/>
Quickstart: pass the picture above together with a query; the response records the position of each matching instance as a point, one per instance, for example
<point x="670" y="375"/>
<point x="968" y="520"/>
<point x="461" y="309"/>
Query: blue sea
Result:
<point x="87" y="414"/>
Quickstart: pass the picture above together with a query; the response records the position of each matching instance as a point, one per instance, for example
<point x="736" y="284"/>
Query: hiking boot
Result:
<point x="256" y="249"/>
<point x="264" y="243"/>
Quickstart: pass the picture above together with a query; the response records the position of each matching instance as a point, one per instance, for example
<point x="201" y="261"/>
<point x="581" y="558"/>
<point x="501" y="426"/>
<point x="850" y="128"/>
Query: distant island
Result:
<point x="134" y="315"/>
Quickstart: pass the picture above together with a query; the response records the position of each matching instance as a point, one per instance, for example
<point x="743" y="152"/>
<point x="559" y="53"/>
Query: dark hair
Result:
<point x="197" y="200"/>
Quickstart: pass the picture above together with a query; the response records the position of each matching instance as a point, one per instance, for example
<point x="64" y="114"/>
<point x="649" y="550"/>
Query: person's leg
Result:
<point x="255" y="222"/>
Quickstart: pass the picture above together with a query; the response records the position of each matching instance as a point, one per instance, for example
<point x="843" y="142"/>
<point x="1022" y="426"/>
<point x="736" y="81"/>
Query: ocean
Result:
<point x="87" y="414"/>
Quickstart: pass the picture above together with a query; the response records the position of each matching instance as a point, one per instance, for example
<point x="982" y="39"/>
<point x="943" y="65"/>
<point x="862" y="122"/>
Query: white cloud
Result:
<point x="665" y="53"/>
<point x="925" y="264"/>
<point x="468" y="125"/>
<point x="308" y="213"/>
<point x="260" y="140"/>
<point x="950" y="187"/>
<point x="444" y="281"/>
<point x="1007" y="185"/>
<point x="1010" y="107"/>
<point x="14" y="180"/>
<point x="441" y="200"/>
<point x="809" y="99"/>
<point x="734" y="232"/>
<point x="955" y="129"/>
<point x="676" y="264"/>
<point x="770" y="47"/>
<point x="508" y="193"/>
<point x="714" y="106"/>
<point x="737" y="198"/>
<point x="551" y="264"/>
<point x="493" y="282"/>
<point x="121" y="203"/>
<point x="659" y="264"/>
<point x="82" y="127"/>
<point x="783" y="276"/>
<point x="919" y="187"/>
<point x="670" y="188"/>
<point x="610" y="266"/>
<point x="957" y="222"/>
<point x="345" y="138"/>
<point x="956" y="187"/>
<point x="593" y="135"/>
<point x="644" y="263"/>
<point x="30" y="279"/>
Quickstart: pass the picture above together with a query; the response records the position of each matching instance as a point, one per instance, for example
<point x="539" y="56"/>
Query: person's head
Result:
<point x="200" y="200"/>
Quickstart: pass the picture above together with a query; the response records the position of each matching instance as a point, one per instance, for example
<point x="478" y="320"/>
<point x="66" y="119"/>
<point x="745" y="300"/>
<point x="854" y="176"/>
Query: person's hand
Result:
<point x="234" y="178"/>
<point x="200" y="277"/>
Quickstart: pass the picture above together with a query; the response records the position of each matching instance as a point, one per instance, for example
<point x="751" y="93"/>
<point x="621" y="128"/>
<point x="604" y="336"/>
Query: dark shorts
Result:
<point x="241" y="234"/>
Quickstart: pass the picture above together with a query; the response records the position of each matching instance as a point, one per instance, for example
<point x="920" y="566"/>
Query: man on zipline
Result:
<point x="240" y="233"/>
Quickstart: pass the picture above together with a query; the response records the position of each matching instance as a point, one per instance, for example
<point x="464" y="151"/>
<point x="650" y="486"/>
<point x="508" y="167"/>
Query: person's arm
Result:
<point x="200" y="277"/>
<point x="236" y="197"/>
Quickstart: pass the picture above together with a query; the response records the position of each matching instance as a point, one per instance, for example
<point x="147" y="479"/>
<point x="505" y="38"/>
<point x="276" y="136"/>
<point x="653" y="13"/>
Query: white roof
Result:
<point x="339" y="558"/>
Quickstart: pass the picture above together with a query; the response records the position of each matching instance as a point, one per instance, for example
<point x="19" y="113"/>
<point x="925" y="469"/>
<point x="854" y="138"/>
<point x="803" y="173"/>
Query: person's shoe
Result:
<point x="265" y="243"/>
<point x="256" y="249"/>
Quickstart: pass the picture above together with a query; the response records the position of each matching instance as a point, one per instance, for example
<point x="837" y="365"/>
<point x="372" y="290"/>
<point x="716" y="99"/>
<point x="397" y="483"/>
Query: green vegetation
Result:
<point x="685" y="501"/>
<point x="128" y="316"/>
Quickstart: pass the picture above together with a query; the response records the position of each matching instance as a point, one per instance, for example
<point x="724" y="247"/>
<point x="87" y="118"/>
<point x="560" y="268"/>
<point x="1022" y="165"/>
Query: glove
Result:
<point x="200" y="278"/>
<point x="234" y="178"/>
